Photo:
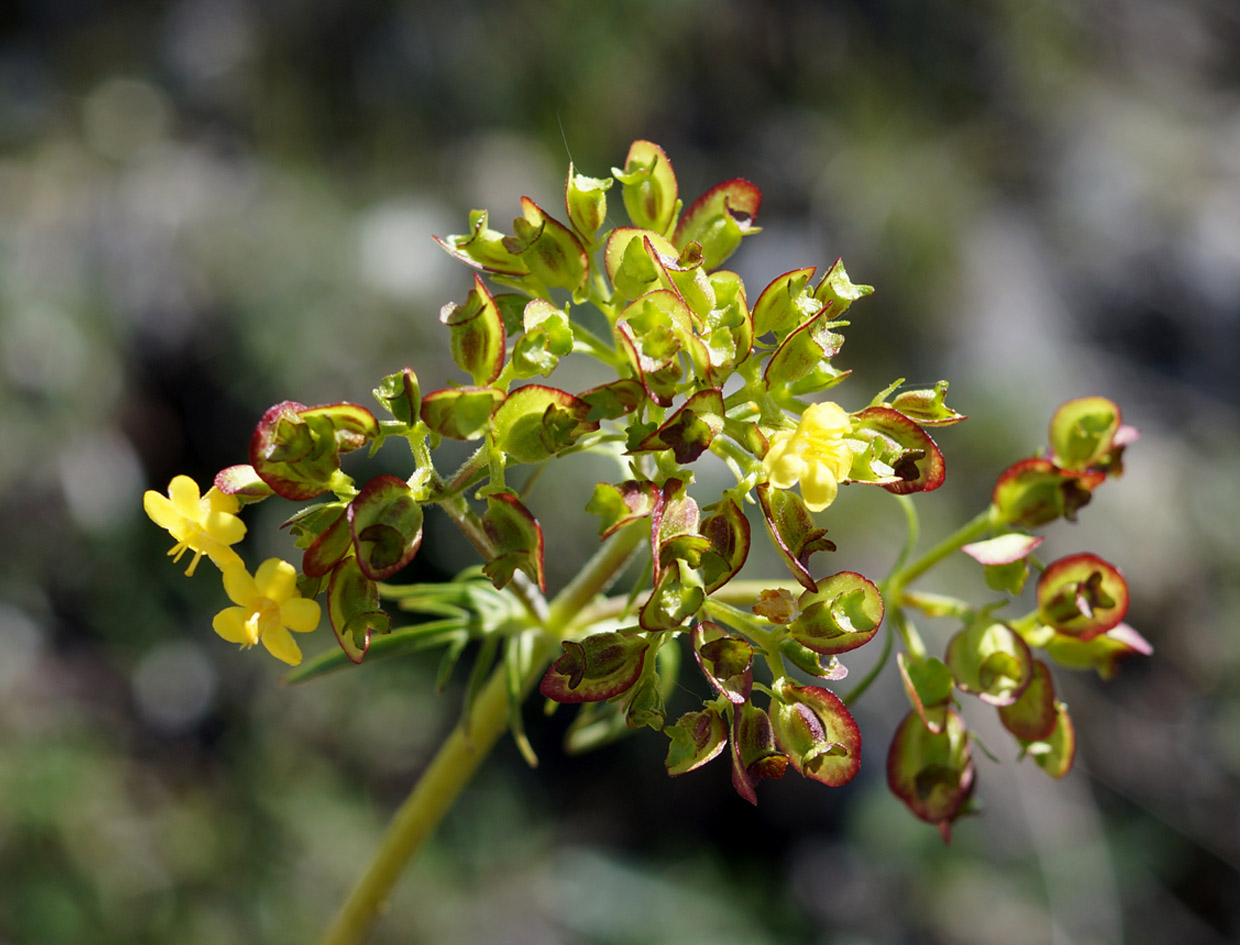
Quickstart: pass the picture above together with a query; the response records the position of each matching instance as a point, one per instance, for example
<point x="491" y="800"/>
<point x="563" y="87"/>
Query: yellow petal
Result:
<point x="161" y="510"/>
<point x="787" y="468"/>
<point x="276" y="580"/>
<point x="224" y="557"/>
<point x="183" y="492"/>
<point x="222" y="502"/>
<point x="300" y="614"/>
<point x="230" y="624"/>
<point x="224" y="527"/>
<point x="824" y="421"/>
<point x="280" y="644"/>
<point x="239" y="586"/>
<point x="818" y="487"/>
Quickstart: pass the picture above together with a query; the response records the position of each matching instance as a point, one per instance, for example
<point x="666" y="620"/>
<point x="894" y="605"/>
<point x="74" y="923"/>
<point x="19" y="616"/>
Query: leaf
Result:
<point x="844" y="613"/>
<point x="991" y="661"/>
<point x="696" y="738"/>
<point x="353" y="609"/>
<point x="601" y="666"/>
<point x="793" y="531"/>
<point x="818" y="733"/>
<point x="476" y="334"/>
<point x="385" y="523"/>
<point x="719" y="219"/>
<point x="689" y="431"/>
<point x="424" y="636"/>
<point x="1082" y="596"/>
<point x="726" y="660"/>
<point x="517" y="538"/>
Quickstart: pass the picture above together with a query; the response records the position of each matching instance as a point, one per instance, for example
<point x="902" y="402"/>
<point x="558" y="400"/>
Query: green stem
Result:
<point x="914" y="532"/>
<point x="594" y="578"/>
<point x="864" y="683"/>
<point x="473" y="738"/>
<point x="432" y="797"/>
<point x="974" y="528"/>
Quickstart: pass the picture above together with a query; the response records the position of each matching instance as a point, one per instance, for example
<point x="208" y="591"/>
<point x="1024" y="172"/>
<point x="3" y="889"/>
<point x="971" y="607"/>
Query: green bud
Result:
<point x="719" y="219"/>
<point x="649" y="187"/>
<point x="838" y="290"/>
<point x="991" y="661"/>
<point x="585" y="198"/>
<point x="931" y="772"/>
<point x="477" y="334"/>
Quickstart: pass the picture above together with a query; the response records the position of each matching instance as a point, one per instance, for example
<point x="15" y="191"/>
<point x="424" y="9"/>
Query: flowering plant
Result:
<point x="692" y="369"/>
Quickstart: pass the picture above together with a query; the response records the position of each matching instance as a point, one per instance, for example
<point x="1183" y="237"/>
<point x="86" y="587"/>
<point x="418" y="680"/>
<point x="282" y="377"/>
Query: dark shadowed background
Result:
<point x="212" y="205"/>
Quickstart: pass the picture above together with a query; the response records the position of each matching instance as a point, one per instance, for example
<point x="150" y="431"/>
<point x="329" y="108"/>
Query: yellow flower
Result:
<point x="268" y="607"/>
<point x="204" y="524"/>
<point x="815" y="455"/>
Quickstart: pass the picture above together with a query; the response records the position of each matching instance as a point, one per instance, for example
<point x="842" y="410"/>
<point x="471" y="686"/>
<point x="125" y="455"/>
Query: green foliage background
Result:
<point x="211" y="205"/>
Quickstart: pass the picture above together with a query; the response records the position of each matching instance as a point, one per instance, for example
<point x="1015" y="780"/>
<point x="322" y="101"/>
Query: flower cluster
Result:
<point x="268" y="604"/>
<point x="695" y="366"/>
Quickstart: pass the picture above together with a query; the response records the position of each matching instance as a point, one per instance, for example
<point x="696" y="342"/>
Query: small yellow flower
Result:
<point x="815" y="454"/>
<point x="204" y="524"/>
<point x="268" y="607"/>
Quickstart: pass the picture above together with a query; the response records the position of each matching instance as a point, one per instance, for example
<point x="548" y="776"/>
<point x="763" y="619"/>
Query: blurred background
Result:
<point x="208" y="206"/>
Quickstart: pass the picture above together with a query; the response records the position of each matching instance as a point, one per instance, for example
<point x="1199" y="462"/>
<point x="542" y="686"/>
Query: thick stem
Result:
<point x="471" y="741"/>
<point x="432" y="797"/>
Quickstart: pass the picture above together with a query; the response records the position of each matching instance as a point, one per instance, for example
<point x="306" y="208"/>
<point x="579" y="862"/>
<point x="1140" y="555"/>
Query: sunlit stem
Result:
<point x="864" y="682"/>
<point x="913" y="644"/>
<point x="972" y="529"/>
<point x="432" y="797"/>
<point x="473" y="738"/>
